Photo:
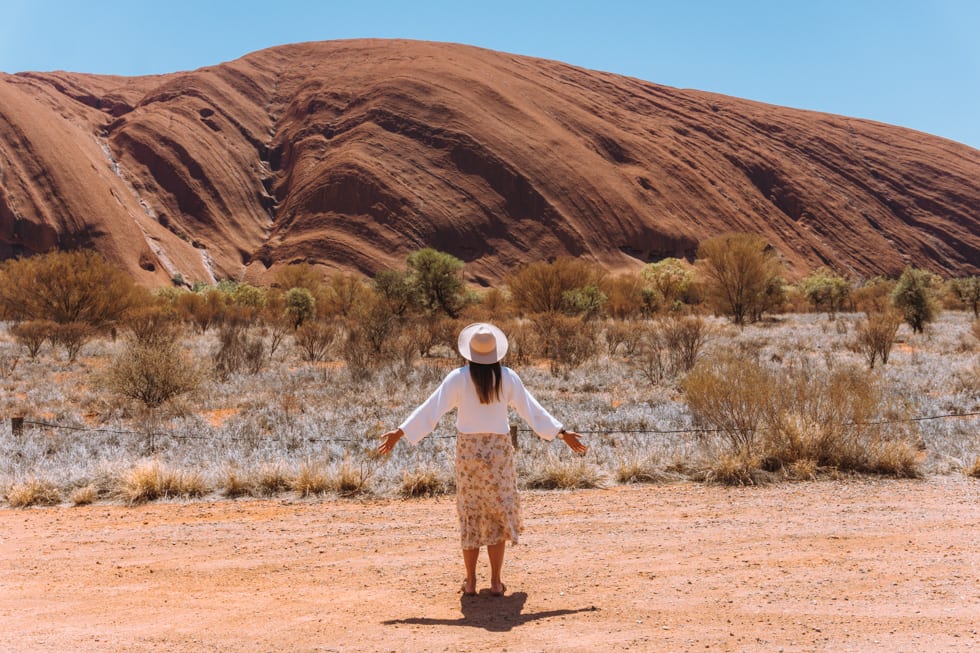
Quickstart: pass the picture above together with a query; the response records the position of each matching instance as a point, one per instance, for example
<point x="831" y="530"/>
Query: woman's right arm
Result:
<point x="424" y="418"/>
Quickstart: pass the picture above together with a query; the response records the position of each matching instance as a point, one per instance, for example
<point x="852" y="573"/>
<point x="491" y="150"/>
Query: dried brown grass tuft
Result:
<point x="237" y="484"/>
<point x="349" y="480"/>
<point x="273" y="479"/>
<point x="33" y="492"/>
<point x="152" y="480"/>
<point x="974" y="471"/>
<point x="424" y="482"/>
<point x="311" y="479"/>
<point x="85" y="495"/>
<point x="557" y="473"/>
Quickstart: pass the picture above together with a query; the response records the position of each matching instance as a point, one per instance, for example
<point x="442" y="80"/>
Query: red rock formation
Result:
<point x="352" y="154"/>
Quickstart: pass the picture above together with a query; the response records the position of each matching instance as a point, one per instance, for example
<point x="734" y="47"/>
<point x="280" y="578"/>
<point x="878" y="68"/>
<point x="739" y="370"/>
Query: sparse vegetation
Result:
<point x="287" y="410"/>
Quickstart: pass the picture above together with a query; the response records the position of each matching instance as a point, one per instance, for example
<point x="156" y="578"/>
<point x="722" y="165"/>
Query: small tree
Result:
<point x="671" y="278"/>
<point x="826" y="290"/>
<point x="967" y="290"/>
<point x="152" y="374"/>
<point x="32" y="334"/>
<point x="299" y="306"/>
<point x="915" y="295"/>
<point x="541" y="287"/>
<point x="65" y="287"/>
<point x="739" y="272"/>
<point x="437" y="281"/>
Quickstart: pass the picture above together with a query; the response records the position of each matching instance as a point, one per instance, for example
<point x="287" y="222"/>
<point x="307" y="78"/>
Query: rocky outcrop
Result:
<point x="352" y="154"/>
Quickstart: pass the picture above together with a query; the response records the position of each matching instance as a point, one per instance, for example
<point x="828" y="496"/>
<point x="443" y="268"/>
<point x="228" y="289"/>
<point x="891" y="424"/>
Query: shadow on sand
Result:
<point x="493" y="613"/>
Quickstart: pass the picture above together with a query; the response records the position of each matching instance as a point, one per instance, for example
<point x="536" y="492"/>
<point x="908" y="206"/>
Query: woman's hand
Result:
<point x="571" y="438"/>
<point x="389" y="440"/>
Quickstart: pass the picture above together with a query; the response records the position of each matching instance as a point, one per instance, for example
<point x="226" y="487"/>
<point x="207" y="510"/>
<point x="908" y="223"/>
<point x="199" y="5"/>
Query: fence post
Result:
<point x="513" y="435"/>
<point x="17" y="426"/>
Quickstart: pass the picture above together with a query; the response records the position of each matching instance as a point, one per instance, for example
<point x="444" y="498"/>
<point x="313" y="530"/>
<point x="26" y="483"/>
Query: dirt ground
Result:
<point x="858" y="565"/>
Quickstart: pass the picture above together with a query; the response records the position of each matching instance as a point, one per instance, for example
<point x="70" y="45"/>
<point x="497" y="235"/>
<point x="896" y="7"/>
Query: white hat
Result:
<point x="482" y="343"/>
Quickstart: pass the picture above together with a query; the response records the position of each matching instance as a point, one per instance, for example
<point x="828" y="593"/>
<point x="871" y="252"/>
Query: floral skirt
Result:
<point x="486" y="490"/>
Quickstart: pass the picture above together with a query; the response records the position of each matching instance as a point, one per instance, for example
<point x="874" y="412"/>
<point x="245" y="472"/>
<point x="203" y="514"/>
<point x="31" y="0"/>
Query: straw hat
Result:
<point x="482" y="343"/>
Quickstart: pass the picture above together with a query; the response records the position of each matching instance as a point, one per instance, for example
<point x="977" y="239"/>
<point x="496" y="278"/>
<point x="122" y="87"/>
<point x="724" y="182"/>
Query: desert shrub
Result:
<point x="685" y="338"/>
<point x="568" y="341"/>
<point x="736" y="468"/>
<point x="315" y="339"/>
<point x="425" y="482"/>
<point x="731" y="394"/>
<point x="311" y="479"/>
<point x="437" y="282"/>
<point x="587" y="302"/>
<point x="540" y="287"/>
<point x="740" y="274"/>
<point x="873" y="296"/>
<point x="974" y="470"/>
<point x="875" y="335"/>
<point x="395" y="289"/>
<point x="84" y="495"/>
<point x="33" y="492"/>
<point x="72" y="336"/>
<point x="358" y="354"/>
<point x="8" y="364"/>
<point x="151" y="480"/>
<point x="623" y="335"/>
<point x="916" y="296"/>
<point x="299" y="275"/>
<point x="204" y="308"/>
<point x="341" y="293"/>
<point x="554" y="472"/>
<point x="237" y="351"/>
<point x="299" y="306"/>
<point x="347" y="479"/>
<point x="272" y="479"/>
<point x="624" y="296"/>
<point x="671" y="278"/>
<point x="65" y="287"/>
<point x="32" y="334"/>
<point x="152" y="374"/>
<point x="634" y="469"/>
<point x="151" y="324"/>
<point x="834" y="418"/>
<point x="237" y="484"/>
<point x="967" y="290"/>
<point x="826" y="290"/>
<point x="524" y="345"/>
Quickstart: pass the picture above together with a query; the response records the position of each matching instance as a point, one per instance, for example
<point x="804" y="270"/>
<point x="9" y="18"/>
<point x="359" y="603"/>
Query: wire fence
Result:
<point x="18" y="423"/>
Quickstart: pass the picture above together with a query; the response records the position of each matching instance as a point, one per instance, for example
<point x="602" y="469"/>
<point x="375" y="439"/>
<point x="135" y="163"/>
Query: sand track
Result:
<point x="862" y="565"/>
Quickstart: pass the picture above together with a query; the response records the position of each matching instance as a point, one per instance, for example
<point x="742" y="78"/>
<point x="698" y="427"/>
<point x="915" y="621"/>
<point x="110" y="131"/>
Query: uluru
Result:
<point x="351" y="154"/>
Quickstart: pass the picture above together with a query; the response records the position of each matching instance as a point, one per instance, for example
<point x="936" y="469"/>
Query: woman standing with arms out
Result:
<point x="486" y="485"/>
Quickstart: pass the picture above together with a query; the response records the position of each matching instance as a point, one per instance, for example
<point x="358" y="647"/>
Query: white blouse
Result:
<point x="457" y="391"/>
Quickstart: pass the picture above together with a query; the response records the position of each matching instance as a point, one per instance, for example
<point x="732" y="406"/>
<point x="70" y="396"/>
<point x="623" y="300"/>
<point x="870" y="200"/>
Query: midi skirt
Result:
<point x="487" y="503"/>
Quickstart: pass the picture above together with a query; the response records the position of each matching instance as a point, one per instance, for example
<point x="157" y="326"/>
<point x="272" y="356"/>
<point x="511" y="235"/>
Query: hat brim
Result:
<point x="499" y="351"/>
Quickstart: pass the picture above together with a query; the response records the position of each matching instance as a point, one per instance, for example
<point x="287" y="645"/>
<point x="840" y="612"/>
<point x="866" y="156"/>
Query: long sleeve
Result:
<point x="424" y="418"/>
<point x="540" y="420"/>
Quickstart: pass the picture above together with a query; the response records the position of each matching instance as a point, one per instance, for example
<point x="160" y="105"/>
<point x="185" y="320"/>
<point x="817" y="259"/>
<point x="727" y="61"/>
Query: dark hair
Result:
<point x="486" y="378"/>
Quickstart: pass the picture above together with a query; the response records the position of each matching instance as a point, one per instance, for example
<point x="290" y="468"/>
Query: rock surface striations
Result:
<point x="352" y="154"/>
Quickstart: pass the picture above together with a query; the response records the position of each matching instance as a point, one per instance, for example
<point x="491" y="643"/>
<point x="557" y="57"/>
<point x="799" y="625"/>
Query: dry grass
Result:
<point x="564" y="473"/>
<point x="33" y="492"/>
<point x="152" y="480"/>
<point x="349" y="479"/>
<point x="974" y="471"/>
<point x="311" y="479"/>
<point x="272" y="479"/>
<point x="643" y="470"/>
<point x="236" y="484"/>
<point x="425" y="482"/>
<point x="736" y="469"/>
<point x="85" y="495"/>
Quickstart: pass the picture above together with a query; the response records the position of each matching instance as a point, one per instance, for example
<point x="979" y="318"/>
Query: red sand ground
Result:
<point x="829" y="566"/>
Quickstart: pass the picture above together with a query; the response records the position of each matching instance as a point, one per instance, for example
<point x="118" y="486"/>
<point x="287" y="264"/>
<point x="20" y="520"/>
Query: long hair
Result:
<point x="487" y="379"/>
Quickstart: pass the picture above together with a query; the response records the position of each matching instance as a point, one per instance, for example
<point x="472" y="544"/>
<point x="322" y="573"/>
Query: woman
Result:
<point x="486" y="485"/>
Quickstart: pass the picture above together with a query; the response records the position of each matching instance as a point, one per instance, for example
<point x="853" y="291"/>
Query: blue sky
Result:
<point x="915" y="64"/>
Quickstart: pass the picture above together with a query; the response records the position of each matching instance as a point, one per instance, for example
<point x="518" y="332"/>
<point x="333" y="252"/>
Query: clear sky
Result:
<point x="904" y="62"/>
